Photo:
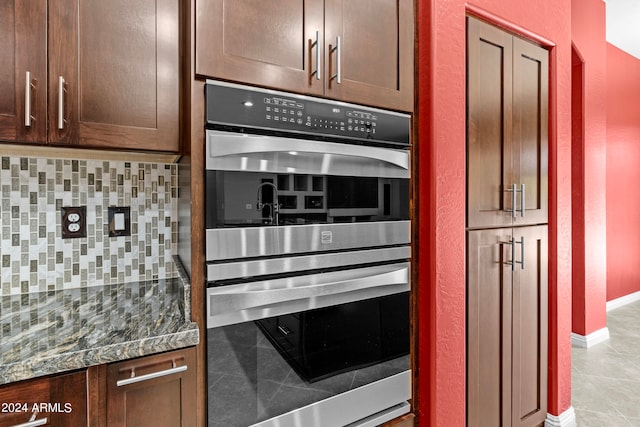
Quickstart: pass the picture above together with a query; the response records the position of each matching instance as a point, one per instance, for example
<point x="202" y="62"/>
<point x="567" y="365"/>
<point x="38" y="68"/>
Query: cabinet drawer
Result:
<point x="51" y="401"/>
<point x="156" y="391"/>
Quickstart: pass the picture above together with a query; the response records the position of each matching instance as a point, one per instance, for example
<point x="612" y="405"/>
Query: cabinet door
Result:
<point x="530" y="312"/>
<point x="489" y="111"/>
<point x="114" y="73"/>
<point x="154" y="391"/>
<point x="23" y="54"/>
<point x="267" y="43"/>
<point x="530" y="130"/>
<point x="489" y="284"/>
<point x="52" y="401"/>
<point x="373" y="63"/>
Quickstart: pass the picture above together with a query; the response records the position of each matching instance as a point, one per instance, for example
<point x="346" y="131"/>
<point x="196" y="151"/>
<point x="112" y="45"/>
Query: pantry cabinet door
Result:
<point x="369" y="49"/>
<point x="266" y="43"/>
<point x="530" y="131"/>
<point x="530" y="326"/>
<point x="23" y="71"/>
<point x="489" y="284"/>
<point x="489" y="110"/>
<point x="114" y="74"/>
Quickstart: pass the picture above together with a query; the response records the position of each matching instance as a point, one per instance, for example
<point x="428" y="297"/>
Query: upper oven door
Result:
<point x="256" y="180"/>
<point x="257" y="153"/>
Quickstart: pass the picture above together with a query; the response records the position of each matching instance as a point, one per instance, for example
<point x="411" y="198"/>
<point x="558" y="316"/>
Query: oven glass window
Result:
<point x="263" y="369"/>
<point x="246" y="199"/>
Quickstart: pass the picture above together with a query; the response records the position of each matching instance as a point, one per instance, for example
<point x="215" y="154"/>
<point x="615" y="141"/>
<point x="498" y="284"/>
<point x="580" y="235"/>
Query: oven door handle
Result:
<point x="258" y="153"/>
<point x="255" y="300"/>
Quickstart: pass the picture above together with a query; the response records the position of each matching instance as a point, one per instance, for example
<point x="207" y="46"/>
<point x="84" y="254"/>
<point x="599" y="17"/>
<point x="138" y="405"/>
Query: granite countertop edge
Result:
<point x="188" y="336"/>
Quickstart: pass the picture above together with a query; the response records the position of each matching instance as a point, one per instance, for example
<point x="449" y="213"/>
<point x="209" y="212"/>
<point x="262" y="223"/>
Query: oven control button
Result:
<point x="268" y="116"/>
<point x="326" y="237"/>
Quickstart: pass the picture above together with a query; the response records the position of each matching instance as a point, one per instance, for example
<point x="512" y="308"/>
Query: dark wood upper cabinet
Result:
<point x="263" y="42"/>
<point x="114" y="74"/>
<point x="352" y="50"/>
<point x="23" y="70"/>
<point x="507" y="327"/>
<point x="102" y="74"/>
<point x="375" y="52"/>
<point x="507" y="129"/>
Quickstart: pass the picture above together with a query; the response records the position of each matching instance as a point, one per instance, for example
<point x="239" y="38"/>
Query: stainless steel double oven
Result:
<point x="308" y="260"/>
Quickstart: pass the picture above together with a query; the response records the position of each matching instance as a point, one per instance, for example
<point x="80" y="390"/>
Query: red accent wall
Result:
<point x="440" y="170"/>
<point x="589" y="147"/>
<point x="623" y="173"/>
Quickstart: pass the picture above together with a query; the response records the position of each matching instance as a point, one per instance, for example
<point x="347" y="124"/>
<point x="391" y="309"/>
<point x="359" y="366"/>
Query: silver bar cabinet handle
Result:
<point x="521" y="262"/>
<point x="61" y="91"/>
<point x="511" y="242"/>
<point x="337" y="50"/>
<point x="522" y="252"/>
<point x="134" y="379"/>
<point x="33" y="423"/>
<point x="522" y="200"/>
<point x="513" y="190"/>
<point x="316" y="44"/>
<point x="27" y="99"/>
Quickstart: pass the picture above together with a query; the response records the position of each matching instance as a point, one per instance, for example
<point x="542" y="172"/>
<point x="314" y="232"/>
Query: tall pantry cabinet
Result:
<point x="507" y="233"/>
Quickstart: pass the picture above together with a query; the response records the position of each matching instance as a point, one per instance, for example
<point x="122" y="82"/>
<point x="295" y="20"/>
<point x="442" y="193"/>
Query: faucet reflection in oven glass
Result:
<point x="274" y="207"/>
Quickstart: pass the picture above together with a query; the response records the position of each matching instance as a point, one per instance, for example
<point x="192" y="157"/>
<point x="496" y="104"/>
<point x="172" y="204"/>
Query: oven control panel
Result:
<point x="246" y="108"/>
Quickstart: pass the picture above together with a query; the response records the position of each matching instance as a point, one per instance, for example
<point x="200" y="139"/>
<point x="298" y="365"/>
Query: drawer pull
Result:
<point x="134" y="379"/>
<point x="33" y="423"/>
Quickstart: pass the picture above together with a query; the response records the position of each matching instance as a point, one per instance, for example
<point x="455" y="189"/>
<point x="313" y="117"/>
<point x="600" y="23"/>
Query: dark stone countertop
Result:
<point x="56" y="331"/>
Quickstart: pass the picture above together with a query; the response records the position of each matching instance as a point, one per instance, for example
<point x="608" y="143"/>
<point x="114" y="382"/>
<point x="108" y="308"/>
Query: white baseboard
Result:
<point x="587" y="341"/>
<point x="619" y="302"/>
<point x="565" y="419"/>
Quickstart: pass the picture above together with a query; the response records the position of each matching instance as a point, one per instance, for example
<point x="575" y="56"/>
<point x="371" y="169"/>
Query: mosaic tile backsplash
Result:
<point x="33" y="255"/>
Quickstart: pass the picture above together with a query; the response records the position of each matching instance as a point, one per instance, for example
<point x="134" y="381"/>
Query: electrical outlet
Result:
<point x="119" y="221"/>
<point x="74" y="221"/>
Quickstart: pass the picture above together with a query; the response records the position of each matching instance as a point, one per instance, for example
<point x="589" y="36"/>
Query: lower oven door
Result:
<point x="314" y="350"/>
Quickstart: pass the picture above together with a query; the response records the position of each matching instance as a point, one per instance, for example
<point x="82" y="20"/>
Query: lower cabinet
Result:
<point x="157" y="390"/>
<point x="59" y="400"/>
<point x="507" y="285"/>
<point x="154" y="391"/>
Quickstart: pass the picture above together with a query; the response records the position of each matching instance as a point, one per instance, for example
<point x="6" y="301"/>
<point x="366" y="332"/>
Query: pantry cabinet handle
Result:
<point x="522" y="200"/>
<point x="134" y="379"/>
<point x="521" y="262"/>
<point x="513" y="190"/>
<point x="61" y="90"/>
<point x="28" y="85"/>
<point x="316" y="44"/>
<point x="337" y="49"/>
<point x="33" y="423"/>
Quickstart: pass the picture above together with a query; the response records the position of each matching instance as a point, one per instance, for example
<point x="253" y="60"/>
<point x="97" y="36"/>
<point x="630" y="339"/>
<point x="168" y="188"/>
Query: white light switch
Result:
<point x="118" y="221"/>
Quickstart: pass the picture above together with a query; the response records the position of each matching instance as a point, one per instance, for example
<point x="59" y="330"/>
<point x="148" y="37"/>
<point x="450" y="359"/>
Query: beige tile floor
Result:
<point x="606" y="377"/>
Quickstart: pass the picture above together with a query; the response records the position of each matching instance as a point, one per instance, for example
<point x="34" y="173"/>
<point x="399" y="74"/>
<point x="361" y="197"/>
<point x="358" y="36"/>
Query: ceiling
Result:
<point x="623" y="25"/>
